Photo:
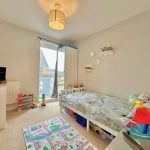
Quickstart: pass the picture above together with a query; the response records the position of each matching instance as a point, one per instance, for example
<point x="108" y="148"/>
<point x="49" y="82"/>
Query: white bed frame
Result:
<point x="62" y="105"/>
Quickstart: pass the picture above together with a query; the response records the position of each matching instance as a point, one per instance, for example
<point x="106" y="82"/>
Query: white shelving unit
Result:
<point x="3" y="88"/>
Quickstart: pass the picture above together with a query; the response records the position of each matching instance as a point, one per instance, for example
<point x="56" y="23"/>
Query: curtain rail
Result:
<point x="49" y="40"/>
<point x="61" y="44"/>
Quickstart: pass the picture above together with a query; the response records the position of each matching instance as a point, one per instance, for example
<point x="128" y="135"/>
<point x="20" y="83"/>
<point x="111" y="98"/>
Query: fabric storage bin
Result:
<point x="81" y="120"/>
<point x="70" y="112"/>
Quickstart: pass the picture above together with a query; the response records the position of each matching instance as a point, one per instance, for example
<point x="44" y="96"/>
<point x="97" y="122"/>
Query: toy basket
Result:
<point x="70" y="112"/>
<point x="82" y="121"/>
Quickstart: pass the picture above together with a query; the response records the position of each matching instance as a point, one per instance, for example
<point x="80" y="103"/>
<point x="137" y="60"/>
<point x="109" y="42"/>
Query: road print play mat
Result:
<point x="55" y="134"/>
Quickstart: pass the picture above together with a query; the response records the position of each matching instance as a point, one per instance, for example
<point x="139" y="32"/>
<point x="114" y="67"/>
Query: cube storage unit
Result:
<point x="81" y="120"/>
<point x="108" y="137"/>
<point x="25" y="101"/>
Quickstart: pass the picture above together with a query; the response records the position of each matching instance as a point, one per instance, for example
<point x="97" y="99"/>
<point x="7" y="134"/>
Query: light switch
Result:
<point x="92" y="54"/>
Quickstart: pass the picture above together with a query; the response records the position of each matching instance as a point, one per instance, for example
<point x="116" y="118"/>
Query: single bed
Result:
<point x="107" y="112"/>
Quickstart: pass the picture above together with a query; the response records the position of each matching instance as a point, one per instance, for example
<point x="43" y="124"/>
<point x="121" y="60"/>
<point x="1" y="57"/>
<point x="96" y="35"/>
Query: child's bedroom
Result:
<point x="74" y="75"/>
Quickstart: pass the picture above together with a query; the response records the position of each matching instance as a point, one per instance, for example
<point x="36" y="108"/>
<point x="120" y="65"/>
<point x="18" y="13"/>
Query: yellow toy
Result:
<point x="133" y="99"/>
<point x="137" y="102"/>
<point x="95" y="127"/>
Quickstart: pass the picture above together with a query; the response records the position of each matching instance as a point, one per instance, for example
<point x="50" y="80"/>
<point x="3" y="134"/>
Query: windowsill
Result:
<point x="49" y="100"/>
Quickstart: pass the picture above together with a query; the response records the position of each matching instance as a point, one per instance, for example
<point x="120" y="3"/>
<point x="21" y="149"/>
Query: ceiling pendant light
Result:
<point x="57" y="18"/>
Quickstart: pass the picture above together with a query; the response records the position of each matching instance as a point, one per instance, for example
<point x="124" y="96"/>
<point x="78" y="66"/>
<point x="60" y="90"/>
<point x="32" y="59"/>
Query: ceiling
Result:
<point x="84" y="17"/>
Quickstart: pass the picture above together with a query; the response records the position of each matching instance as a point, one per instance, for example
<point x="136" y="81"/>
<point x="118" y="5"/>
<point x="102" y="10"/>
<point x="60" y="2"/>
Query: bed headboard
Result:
<point x="72" y="90"/>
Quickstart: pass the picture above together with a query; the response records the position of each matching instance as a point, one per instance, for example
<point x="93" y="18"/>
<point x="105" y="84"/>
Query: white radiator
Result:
<point x="13" y="88"/>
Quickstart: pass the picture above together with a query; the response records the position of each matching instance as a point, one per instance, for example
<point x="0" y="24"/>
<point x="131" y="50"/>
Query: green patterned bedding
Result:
<point x="108" y="110"/>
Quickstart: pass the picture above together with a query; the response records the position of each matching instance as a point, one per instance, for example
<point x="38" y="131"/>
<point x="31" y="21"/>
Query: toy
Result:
<point x="89" y="66"/>
<point x="136" y="101"/>
<point x="24" y="101"/>
<point x="96" y="128"/>
<point x="144" y="97"/>
<point x="141" y="97"/>
<point x="140" y="125"/>
<point x="43" y="100"/>
<point x="73" y="86"/>
<point x="69" y="86"/>
<point x="76" y="86"/>
<point x="36" y="102"/>
<point x="104" y="134"/>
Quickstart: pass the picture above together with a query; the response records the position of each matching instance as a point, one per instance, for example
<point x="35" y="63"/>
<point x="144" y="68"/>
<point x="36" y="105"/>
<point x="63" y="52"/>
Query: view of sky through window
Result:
<point x="50" y="56"/>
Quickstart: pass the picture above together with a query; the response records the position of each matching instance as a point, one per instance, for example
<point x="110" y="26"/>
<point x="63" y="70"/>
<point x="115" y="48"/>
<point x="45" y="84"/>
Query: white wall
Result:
<point x="19" y="52"/>
<point x="127" y="71"/>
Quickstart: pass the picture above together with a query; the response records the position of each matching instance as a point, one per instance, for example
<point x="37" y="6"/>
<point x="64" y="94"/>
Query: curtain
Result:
<point x="72" y="56"/>
<point x="55" y="87"/>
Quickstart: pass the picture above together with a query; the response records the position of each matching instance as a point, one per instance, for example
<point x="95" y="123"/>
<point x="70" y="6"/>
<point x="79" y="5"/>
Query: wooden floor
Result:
<point x="11" y="138"/>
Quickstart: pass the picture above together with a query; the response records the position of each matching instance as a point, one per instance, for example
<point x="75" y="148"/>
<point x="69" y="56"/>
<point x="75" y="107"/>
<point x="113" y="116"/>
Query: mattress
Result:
<point x="108" y="110"/>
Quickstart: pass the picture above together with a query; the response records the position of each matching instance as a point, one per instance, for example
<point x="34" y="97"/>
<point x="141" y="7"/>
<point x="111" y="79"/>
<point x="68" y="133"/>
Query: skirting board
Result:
<point x="11" y="107"/>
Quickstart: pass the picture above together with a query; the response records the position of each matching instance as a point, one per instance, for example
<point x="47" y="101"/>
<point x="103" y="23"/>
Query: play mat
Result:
<point x="54" y="134"/>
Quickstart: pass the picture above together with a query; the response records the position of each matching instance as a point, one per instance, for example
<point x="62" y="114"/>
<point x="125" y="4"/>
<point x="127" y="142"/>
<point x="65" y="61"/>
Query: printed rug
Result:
<point x="55" y="134"/>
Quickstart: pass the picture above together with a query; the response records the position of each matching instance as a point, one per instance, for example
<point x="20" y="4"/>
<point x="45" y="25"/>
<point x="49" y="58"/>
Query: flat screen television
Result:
<point x="2" y="74"/>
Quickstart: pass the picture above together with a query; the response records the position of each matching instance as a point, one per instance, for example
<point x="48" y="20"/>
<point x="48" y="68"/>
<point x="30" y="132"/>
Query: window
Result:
<point x="48" y="54"/>
<point x="41" y="85"/>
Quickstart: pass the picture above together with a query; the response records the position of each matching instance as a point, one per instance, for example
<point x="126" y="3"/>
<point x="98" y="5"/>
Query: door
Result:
<point x="48" y="56"/>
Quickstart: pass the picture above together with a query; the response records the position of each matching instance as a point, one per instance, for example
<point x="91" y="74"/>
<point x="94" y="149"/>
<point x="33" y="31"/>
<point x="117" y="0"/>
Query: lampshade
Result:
<point x="56" y="19"/>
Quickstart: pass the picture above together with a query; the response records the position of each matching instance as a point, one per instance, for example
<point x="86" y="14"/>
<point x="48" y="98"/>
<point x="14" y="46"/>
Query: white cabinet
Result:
<point x="71" y="66"/>
<point x="2" y="106"/>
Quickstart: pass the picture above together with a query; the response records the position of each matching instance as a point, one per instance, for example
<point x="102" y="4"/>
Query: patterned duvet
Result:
<point x="106" y="109"/>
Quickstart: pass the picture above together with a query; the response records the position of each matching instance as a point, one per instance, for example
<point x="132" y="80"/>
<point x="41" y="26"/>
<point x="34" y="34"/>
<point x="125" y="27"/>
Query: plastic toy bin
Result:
<point x="82" y="121"/>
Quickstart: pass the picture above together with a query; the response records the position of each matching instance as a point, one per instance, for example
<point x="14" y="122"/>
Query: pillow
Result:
<point x="143" y="97"/>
